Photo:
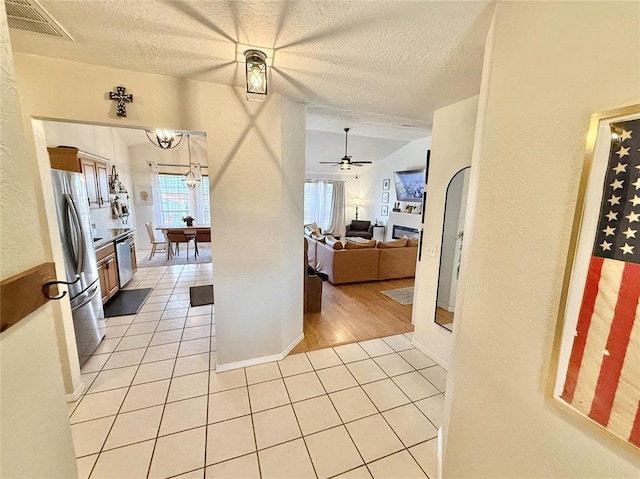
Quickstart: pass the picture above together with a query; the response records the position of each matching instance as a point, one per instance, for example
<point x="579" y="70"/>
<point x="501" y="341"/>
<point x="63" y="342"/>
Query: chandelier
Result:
<point x="165" y="139"/>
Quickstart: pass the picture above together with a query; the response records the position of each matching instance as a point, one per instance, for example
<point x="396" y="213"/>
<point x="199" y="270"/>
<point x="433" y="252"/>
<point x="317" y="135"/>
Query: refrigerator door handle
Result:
<point x="77" y="242"/>
<point x="92" y="294"/>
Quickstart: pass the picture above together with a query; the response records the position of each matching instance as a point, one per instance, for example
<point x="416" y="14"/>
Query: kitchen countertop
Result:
<point x="103" y="237"/>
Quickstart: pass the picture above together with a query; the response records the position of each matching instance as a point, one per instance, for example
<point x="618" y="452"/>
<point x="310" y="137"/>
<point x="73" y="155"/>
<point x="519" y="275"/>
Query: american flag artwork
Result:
<point x="603" y="371"/>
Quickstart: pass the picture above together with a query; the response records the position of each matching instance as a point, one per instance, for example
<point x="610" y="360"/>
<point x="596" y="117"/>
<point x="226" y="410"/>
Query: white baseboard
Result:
<point x="261" y="360"/>
<point x="75" y="395"/>
<point x="293" y="344"/>
<point x="431" y="354"/>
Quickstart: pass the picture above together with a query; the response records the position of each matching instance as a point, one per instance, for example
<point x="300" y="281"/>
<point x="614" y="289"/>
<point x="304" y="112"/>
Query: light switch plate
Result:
<point x="431" y="250"/>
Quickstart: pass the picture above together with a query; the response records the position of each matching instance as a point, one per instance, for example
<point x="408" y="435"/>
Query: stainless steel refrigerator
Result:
<point x="74" y="224"/>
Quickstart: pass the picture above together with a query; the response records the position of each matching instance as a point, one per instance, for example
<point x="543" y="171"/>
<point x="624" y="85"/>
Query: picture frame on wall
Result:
<point x="142" y="195"/>
<point x="385" y="197"/>
<point x="384" y="211"/>
<point x="386" y="183"/>
<point x="598" y="349"/>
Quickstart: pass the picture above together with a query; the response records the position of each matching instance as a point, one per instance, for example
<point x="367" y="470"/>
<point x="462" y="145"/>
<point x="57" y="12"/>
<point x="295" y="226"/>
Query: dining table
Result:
<point x="185" y="229"/>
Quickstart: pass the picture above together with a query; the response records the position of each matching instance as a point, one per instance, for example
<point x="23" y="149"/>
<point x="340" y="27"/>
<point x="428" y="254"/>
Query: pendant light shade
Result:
<point x="193" y="177"/>
<point x="165" y="139"/>
<point x="256" y="75"/>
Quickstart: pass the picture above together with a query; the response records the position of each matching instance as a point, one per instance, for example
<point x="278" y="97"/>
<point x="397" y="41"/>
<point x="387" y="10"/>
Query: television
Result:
<point x="410" y="184"/>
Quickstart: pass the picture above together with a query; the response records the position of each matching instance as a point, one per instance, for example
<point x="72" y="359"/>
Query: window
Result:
<point x="317" y="202"/>
<point x="206" y="204"/>
<point x="178" y="201"/>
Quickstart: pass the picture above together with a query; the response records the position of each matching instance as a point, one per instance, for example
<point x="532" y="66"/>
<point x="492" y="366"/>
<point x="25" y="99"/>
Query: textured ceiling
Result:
<point x="394" y="61"/>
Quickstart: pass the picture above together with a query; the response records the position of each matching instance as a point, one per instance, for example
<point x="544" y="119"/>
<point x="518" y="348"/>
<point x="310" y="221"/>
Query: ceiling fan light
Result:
<point x="165" y="139"/>
<point x="345" y="166"/>
<point x="256" y="75"/>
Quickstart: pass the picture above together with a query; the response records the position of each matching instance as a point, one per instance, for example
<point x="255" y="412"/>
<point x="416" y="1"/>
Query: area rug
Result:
<point x="126" y="301"/>
<point x="160" y="259"/>
<point x="403" y="296"/>
<point x="201" y="295"/>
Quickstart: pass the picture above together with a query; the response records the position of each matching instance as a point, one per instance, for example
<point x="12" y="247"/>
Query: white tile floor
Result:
<point x="155" y="406"/>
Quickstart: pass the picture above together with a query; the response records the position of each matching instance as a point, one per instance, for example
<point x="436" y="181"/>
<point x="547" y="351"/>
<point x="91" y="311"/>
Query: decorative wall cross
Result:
<point x="120" y="95"/>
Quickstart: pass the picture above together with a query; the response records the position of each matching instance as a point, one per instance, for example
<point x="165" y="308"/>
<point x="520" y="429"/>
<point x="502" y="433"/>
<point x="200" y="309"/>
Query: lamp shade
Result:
<point x="256" y="75"/>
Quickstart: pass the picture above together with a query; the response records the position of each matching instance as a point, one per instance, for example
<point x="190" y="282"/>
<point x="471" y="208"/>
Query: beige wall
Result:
<point x="551" y="65"/>
<point x="244" y="143"/>
<point x="451" y="150"/>
<point x="412" y="156"/>
<point x="35" y="437"/>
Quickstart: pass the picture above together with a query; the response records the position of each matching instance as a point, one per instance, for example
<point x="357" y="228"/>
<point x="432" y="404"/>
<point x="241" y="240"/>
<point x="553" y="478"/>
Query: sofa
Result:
<point x="346" y="262"/>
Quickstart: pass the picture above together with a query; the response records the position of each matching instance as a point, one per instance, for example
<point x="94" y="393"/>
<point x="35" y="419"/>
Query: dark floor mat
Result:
<point x="201" y="295"/>
<point x="126" y="301"/>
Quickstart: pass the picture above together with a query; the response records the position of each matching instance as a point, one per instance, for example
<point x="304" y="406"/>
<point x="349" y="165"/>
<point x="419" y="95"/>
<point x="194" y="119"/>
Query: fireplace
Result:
<point x="402" y="231"/>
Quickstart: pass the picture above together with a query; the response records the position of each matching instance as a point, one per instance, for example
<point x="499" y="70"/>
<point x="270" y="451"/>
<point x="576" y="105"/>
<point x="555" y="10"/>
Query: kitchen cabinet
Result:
<point x="107" y="271"/>
<point x="102" y="176"/>
<point x="94" y="167"/>
<point x="89" y="171"/>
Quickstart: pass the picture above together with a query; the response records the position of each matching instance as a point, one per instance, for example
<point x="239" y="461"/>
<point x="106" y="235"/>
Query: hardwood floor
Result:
<point x="443" y="316"/>
<point x="356" y="312"/>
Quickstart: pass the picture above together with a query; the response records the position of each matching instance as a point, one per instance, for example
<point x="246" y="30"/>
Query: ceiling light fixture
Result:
<point x="256" y="75"/>
<point x="192" y="178"/>
<point x="165" y="139"/>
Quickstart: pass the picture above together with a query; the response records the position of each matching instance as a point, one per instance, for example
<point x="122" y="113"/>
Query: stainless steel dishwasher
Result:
<point x="123" y="253"/>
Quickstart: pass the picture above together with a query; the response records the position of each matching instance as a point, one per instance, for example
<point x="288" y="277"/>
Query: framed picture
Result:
<point x="598" y="349"/>
<point x="385" y="197"/>
<point x="142" y="195"/>
<point x="384" y="211"/>
<point x="386" y="183"/>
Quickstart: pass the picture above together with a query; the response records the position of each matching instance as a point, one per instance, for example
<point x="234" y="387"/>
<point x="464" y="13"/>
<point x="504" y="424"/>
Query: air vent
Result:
<point x="29" y="16"/>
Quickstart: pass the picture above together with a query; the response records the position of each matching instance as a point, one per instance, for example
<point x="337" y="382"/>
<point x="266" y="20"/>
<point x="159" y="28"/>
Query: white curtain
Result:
<point x="336" y="224"/>
<point x="157" y="204"/>
<point x="319" y="204"/>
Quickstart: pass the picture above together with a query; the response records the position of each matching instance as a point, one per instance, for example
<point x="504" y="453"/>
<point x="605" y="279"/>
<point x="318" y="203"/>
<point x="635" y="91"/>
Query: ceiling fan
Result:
<point x="345" y="163"/>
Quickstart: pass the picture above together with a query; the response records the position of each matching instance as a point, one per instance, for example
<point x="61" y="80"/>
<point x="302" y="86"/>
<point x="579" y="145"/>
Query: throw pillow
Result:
<point x="367" y="245"/>
<point x="331" y="241"/>
<point x="400" y="243"/>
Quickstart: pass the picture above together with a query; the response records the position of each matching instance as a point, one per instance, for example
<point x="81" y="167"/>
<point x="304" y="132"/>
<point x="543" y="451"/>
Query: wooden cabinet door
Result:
<point x="103" y="185"/>
<point x="108" y="274"/>
<point x="104" y="287"/>
<point x="112" y="275"/>
<point x="90" y="177"/>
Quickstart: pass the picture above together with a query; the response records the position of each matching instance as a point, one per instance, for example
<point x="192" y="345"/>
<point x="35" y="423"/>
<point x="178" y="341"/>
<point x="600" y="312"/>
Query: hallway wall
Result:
<point x="451" y="150"/>
<point x="35" y="438"/>
<point x="549" y="66"/>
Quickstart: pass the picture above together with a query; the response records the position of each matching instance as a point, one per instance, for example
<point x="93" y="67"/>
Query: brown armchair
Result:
<point x="360" y="228"/>
<point x="312" y="288"/>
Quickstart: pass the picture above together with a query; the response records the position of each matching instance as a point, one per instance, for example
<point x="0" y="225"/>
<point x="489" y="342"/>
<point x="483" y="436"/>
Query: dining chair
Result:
<point x="202" y="236"/>
<point x="156" y="246"/>
<point x="179" y="236"/>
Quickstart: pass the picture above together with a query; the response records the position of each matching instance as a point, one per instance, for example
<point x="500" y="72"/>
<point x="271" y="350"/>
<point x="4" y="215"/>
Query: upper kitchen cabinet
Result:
<point x="94" y="168"/>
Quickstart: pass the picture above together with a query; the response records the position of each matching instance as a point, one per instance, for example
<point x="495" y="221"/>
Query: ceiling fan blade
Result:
<point x="329" y="162"/>
<point x="361" y="162"/>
